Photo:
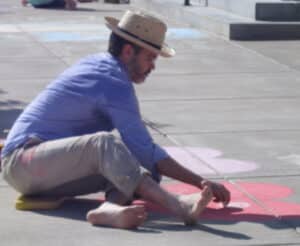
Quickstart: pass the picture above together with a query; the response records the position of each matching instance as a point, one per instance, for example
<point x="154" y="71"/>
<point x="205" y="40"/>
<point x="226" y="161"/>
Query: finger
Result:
<point x="220" y="194"/>
<point x="225" y="196"/>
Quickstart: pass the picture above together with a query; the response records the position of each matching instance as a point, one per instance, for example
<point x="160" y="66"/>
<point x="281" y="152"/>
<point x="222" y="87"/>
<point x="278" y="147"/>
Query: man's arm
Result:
<point x="124" y="113"/>
<point x="171" y="168"/>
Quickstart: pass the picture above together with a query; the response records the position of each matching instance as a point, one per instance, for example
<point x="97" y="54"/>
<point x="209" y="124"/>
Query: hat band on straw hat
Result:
<point x="140" y="39"/>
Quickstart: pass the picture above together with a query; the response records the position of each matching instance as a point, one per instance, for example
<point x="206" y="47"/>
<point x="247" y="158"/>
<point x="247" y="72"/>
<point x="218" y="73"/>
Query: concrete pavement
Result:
<point x="228" y="110"/>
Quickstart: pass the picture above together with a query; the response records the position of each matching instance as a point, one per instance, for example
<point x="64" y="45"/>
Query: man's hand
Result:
<point x="171" y="168"/>
<point x="220" y="192"/>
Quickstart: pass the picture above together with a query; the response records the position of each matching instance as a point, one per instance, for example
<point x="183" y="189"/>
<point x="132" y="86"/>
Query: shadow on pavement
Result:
<point x="9" y="111"/>
<point x="77" y="208"/>
<point x="74" y="209"/>
<point x="160" y="221"/>
<point x="229" y="216"/>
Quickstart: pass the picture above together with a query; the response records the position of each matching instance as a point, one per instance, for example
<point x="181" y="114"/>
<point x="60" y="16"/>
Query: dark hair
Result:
<point x="116" y="44"/>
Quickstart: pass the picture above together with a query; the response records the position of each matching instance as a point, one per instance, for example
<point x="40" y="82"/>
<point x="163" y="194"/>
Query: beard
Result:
<point x="135" y="70"/>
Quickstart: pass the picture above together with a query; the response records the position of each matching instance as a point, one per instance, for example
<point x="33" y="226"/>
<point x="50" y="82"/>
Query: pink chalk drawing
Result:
<point x="241" y="207"/>
<point x="191" y="157"/>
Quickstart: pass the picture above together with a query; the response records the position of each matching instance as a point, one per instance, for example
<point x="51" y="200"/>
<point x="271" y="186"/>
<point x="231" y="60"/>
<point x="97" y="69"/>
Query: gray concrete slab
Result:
<point x="224" y="115"/>
<point x="283" y="52"/>
<point x="21" y="49"/>
<point x="234" y="86"/>
<point x="217" y="62"/>
<point x="22" y="90"/>
<point x="67" y="49"/>
<point x="16" y="68"/>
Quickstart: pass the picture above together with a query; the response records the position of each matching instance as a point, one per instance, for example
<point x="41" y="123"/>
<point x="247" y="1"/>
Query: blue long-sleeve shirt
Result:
<point x="94" y="95"/>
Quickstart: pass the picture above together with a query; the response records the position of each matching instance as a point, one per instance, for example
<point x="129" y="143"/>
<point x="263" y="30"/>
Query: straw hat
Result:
<point x="142" y="29"/>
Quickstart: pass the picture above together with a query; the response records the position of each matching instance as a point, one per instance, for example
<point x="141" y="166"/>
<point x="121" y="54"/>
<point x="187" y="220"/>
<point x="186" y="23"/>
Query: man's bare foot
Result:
<point x="113" y="215"/>
<point x="24" y="2"/>
<point x="194" y="206"/>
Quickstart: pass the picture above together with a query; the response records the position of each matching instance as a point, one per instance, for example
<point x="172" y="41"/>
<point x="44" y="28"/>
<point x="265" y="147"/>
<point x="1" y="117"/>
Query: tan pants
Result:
<point x="73" y="166"/>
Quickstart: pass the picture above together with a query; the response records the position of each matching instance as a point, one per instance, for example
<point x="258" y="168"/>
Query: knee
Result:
<point x="110" y="141"/>
<point x="106" y="142"/>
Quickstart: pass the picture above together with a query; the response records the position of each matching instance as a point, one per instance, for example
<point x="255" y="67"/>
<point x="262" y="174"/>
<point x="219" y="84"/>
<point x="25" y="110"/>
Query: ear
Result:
<point x="127" y="53"/>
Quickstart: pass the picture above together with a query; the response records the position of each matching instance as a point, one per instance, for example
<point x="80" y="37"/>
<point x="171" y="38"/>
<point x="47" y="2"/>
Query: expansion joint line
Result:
<point x="28" y="34"/>
<point x="255" y="200"/>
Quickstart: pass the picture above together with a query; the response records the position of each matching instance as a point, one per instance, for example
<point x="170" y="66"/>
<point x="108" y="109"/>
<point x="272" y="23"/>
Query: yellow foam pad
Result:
<point x="29" y="203"/>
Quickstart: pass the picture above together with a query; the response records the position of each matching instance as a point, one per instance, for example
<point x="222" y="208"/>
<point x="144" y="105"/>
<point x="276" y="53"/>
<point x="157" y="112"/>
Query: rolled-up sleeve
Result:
<point x="123" y="110"/>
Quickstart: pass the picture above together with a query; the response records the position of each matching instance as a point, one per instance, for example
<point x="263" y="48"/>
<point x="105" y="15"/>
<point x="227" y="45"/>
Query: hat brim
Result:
<point x="112" y="24"/>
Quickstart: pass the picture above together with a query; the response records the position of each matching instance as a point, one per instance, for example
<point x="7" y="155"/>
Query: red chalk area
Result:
<point x="242" y="208"/>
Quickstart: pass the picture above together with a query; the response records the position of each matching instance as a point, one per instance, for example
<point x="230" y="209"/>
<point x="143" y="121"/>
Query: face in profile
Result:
<point x="141" y="64"/>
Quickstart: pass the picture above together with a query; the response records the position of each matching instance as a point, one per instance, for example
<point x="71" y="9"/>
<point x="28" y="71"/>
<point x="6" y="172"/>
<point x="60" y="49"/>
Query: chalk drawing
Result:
<point x="100" y="34"/>
<point x="241" y="208"/>
<point x="293" y="158"/>
<point x="185" y="33"/>
<point x="74" y="32"/>
<point x="211" y="156"/>
<point x="69" y="37"/>
<point x="270" y="194"/>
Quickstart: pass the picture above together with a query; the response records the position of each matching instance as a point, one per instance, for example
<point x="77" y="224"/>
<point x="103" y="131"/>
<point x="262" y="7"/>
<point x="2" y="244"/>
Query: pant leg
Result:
<point x="53" y="164"/>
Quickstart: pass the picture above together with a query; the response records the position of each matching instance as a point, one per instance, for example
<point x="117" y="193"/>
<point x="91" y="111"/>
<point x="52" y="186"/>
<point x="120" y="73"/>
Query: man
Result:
<point x="61" y="145"/>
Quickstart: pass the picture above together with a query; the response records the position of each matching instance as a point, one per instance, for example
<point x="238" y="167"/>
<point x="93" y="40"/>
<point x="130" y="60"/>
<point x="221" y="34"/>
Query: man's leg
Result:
<point x="76" y="166"/>
<point x="111" y="214"/>
<point x="186" y="210"/>
<point x="113" y="195"/>
<point x="53" y="164"/>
